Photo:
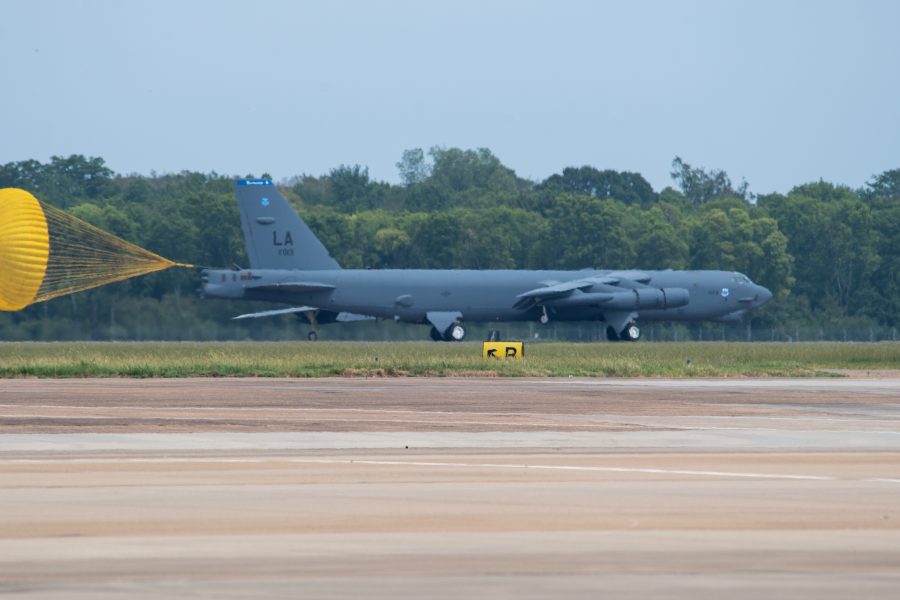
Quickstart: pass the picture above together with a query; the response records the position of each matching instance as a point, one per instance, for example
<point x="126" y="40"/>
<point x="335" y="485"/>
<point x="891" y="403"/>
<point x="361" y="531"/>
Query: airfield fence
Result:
<point x="289" y="329"/>
<point x="732" y="333"/>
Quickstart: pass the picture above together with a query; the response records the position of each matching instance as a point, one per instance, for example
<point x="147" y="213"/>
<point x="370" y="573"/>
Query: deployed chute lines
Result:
<point x="46" y="252"/>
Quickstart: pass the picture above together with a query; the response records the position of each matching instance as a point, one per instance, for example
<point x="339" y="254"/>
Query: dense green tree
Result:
<point x="413" y="167"/>
<point x="885" y="300"/>
<point x="659" y="243"/>
<point x="63" y="181"/>
<point x="831" y="233"/>
<point x="310" y="190"/>
<point x="742" y="240"/>
<point x="700" y="185"/>
<point x="630" y="188"/>
<point x="587" y="232"/>
<point x="773" y="265"/>
<point x="435" y="240"/>
<point x="459" y="170"/>
<point x="333" y="229"/>
<point x="350" y="186"/>
<point x="391" y="247"/>
<point x="885" y="186"/>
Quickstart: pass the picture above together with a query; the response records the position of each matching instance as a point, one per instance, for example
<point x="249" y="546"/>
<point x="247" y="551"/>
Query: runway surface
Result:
<point x="410" y="488"/>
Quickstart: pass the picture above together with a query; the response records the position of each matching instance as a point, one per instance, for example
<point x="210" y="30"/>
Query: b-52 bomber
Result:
<point x="289" y="265"/>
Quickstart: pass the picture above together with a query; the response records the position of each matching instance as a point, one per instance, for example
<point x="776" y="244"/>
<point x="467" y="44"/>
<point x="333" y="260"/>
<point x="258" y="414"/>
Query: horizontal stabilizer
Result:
<point x="275" y="313"/>
<point x="343" y="317"/>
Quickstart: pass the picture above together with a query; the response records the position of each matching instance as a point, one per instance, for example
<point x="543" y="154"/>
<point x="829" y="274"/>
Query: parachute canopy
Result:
<point x="46" y="253"/>
<point x="24" y="248"/>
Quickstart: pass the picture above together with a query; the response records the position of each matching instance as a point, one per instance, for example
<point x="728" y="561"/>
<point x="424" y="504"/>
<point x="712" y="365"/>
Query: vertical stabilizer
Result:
<point x="276" y="236"/>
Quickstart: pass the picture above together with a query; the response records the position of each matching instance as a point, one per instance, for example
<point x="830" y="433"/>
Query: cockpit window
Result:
<point x="741" y="278"/>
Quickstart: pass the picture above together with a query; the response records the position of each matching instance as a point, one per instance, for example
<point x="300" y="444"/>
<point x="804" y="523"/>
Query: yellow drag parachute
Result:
<point x="46" y="253"/>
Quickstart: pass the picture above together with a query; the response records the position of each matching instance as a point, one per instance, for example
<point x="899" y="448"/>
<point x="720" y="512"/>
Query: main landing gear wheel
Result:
<point x="631" y="333"/>
<point x="312" y="336"/>
<point x="611" y="334"/>
<point x="456" y="333"/>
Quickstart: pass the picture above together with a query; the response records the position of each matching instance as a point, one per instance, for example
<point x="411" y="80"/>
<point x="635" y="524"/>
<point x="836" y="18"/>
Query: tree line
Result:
<point x="828" y="253"/>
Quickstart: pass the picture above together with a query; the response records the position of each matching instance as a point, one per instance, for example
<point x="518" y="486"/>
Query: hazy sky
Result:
<point x="779" y="92"/>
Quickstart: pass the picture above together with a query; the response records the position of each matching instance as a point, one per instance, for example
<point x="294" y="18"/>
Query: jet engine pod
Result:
<point x="648" y="299"/>
<point x="676" y="297"/>
<point x="644" y="298"/>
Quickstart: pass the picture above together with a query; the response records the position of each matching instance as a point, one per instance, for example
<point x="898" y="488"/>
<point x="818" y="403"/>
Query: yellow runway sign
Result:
<point x="514" y="350"/>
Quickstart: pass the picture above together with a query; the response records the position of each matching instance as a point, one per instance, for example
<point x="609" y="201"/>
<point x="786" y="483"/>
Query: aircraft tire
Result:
<point x="611" y="334"/>
<point x="455" y="333"/>
<point x="631" y="333"/>
<point x="312" y="336"/>
<point x="436" y="335"/>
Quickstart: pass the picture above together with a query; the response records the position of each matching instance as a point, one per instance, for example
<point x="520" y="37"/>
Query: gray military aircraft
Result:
<point x="288" y="264"/>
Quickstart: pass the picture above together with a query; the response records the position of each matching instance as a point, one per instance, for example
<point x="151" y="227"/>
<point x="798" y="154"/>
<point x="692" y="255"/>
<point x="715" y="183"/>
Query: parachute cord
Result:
<point x="83" y="256"/>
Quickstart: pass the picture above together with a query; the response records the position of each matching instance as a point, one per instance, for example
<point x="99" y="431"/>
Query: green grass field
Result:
<point x="326" y="359"/>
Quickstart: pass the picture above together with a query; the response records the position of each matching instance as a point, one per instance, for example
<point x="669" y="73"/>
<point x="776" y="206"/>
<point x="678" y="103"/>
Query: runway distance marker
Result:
<point x="503" y="350"/>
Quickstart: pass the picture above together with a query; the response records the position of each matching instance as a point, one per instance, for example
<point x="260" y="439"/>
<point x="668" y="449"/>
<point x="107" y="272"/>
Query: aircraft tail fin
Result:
<point x="276" y="236"/>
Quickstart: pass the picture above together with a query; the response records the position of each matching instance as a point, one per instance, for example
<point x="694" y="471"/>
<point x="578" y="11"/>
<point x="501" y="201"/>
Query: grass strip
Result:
<point x="401" y="359"/>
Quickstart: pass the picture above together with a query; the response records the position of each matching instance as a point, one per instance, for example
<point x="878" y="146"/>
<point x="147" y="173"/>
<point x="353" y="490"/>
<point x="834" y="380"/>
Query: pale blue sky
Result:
<point x="780" y="93"/>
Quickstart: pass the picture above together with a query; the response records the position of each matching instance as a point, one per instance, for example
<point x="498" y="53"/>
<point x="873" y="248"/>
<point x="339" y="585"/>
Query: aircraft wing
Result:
<point x="559" y="290"/>
<point x="275" y="313"/>
<point x="635" y="276"/>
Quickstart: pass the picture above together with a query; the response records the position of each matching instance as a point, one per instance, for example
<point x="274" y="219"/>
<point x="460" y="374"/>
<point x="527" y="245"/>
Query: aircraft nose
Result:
<point x="763" y="294"/>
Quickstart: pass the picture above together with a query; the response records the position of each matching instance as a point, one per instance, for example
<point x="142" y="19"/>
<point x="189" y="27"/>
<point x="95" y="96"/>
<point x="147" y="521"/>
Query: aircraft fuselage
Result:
<point x="409" y="294"/>
<point x="290" y="265"/>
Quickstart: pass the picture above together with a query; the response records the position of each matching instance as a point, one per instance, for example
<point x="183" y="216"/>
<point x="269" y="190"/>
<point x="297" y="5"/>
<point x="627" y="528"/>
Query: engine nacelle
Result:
<point x="649" y="298"/>
<point x="633" y="299"/>
<point x="676" y="297"/>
